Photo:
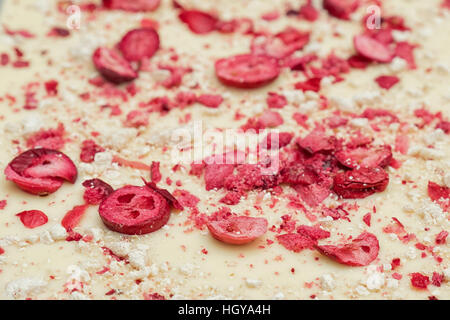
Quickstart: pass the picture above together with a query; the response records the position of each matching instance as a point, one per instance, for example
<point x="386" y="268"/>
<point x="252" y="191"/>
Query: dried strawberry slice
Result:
<point x="32" y="218"/>
<point x="372" y="49"/>
<point x="437" y="192"/>
<point x="314" y="233"/>
<point x="139" y="43"/>
<point x="134" y="210"/>
<point x="281" y="45"/>
<point x="365" y="157"/>
<point x="360" y="252"/>
<point x="198" y="21"/>
<point x="134" y="6"/>
<point x="238" y="230"/>
<point x="215" y="175"/>
<point x="73" y="217"/>
<point x="360" y="183"/>
<point x="341" y="8"/>
<point x="317" y="141"/>
<point x="296" y="242"/>
<point x="112" y="66"/>
<point x="96" y="191"/>
<point x="41" y="171"/>
<point x="247" y="70"/>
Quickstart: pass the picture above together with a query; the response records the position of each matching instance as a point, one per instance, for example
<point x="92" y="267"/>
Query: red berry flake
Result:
<point x="314" y="233"/>
<point x="317" y="141"/>
<point x="155" y="174"/>
<point x="112" y="66"/>
<point x="88" y="151"/>
<point x="437" y="279"/>
<point x="247" y="70"/>
<point x="296" y="242"/>
<point x="360" y="183"/>
<point x="33" y="218"/>
<point x="73" y="217"/>
<point x="437" y="192"/>
<point x="360" y="252"/>
<point x="367" y="219"/>
<point x="198" y="21"/>
<point x="138" y="44"/>
<point x="96" y="191"/>
<point x="365" y="157"/>
<point x="134" y="6"/>
<point x="51" y="87"/>
<point x="308" y="12"/>
<point x="3" y="204"/>
<point x="441" y="237"/>
<point x="341" y="8"/>
<point x="185" y="198"/>
<point x="419" y="280"/>
<point x="153" y="296"/>
<point x="276" y="101"/>
<point x="50" y="139"/>
<point x="387" y="82"/>
<point x="238" y="230"/>
<point x="41" y="171"/>
<point x="372" y="49"/>
<point x="135" y="210"/>
<point x="210" y="100"/>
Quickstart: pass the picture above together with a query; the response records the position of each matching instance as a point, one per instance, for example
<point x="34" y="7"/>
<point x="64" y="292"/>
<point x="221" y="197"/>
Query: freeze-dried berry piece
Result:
<point x="215" y="175"/>
<point x="341" y="8"/>
<point x="405" y="51"/>
<point x="360" y="183"/>
<point x="155" y="174"/>
<point x="312" y="84"/>
<point x="441" y="237"/>
<point x="138" y="44"/>
<point x="365" y="157"/>
<point x="41" y="171"/>
<point x="112" y="66"/>
<point x="314" y="233"/>
<point x="296" y="242"/>
<point x="437" y="192"/>
<point x="88" y="151"/>
<point x="437" y="279"/>
<point x="173" y="202"/>
<point x="133" y="6"/>
<point x="73" y="217"/>
<point x="297" y="173"/>
<point x="308" y="12"/>
<point x="270" y="119"/>
<point x="281" y="45"/>
<point x="387" y="82"/>
<point x="134" y="210"/>
<point x="50" y="139"/>
<point x="317" y="141"/>
<point x="360" y="252"/>
<point x="210" y="100"/>
<point x="444" y="126"/>
<point x="136" y="119"/>
<point x="198" y="21"/>
<point x="32" y="218"/>
<point x="237" y="230"/>
<point x="247" y="70"/>
<point x="419" y="280"/>
<point x="372" y="49"/>
<point x="276" y="101"/>
<point x="185" y="198"/>
<point x="96" y="191"/>
<point x="275" y="140"/>
<point x="367" y="217"/>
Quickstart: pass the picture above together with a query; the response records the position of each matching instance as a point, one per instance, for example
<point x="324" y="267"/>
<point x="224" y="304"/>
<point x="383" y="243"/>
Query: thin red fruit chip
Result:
<point x="360" y="183"/>
<point x="238" y="230"/>
<point x="341" y="8"/>
<point x="32" y="218"/>
<point x="134" y="210"/>
<point x="166" y="194"/>
<point x="247" y="70"/>
<point x="281" y="45"/>
<point x="419" y="280"/>
<point x="387" y="82"/>
<point x="372" y="49"/>
<point x="41" y="171"/>
<point x="73" y="217"/>
<point x="112" y="66"/>
<point x="296" y="242"/>
<point x="96" y="191"/>
<point x="198" y="21"/>
<point x="437" y="192"/>
<point x="134" y="6"/>
<point x="360" y="252"/>
<point x="314" y="233"/>
<point x="365" y="157"/>
<point x="139" y="43"/>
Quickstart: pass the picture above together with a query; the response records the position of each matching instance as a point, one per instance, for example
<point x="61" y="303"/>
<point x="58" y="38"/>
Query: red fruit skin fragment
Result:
<point x="73" y="217"/>
<point x="112" y="66"/>
<point x="210" y="100"/>
<point x="387" y="82"/>
<point x="136" y="119"/>
<point x="405" y="51"/>
<point x="437" y="279"/>
<point x="317" y="141"/>
<point x="308" y="12"/>
<point x="372" y="49"/>
<point x="419" y="281"/>
<point x="441" y="237"/>
<point x="138" y="44"/>
<point x="276" y="101"/>
<point x="367" y="219"/>
<point x="360" y="183"/>
<point x="198" y="21"/>
<point x="131" y="164"/>
<point x="96" y="191"/>
<point x="155" y="174"/>
<point x="283" y="138"/>
<point x="365" y="157"/>
<point x="314" y="233"/>
<point x="165" y="194"/>
<point x="49" y="139"/>
<point x="185" y="198"/>
<point x="312" y="84"/>
<point x="215" y="175"/>
<point x="247" y="70"/>
<point x="32" y="218"/>
<point x="296" y="242"/>
<point x="88" y="151"/>
<point x="341" y="9"/>
<point x="134" y="210"/>
<point x="3" y="204"/>
<point x="437" y="192"/>
<point x="41" y="171"/>
<point x="270" y="119"/>
<point x="360" y="252"/>
<point x="237" y="230"/>
<point x="133" y="6"/>
<point x="444" y="126"/>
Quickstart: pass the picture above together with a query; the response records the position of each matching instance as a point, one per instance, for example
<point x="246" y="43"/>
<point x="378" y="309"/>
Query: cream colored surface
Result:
<point x="226" y="271"/>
